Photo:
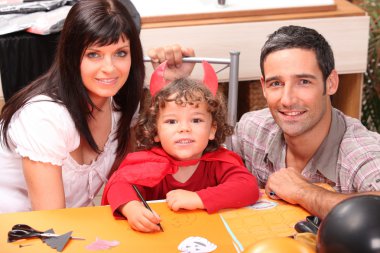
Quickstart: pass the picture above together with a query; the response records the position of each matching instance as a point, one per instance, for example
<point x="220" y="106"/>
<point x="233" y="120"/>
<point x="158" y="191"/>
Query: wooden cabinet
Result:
<point x="345" y="26"/>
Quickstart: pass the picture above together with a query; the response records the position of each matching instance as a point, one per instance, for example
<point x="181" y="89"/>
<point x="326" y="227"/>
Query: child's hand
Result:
<point x="178" y="199"/>
<point x="140" y="218"/>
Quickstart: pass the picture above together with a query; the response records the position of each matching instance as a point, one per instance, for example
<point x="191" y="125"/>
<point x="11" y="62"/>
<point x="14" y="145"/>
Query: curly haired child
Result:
<point x="181" y="133"/>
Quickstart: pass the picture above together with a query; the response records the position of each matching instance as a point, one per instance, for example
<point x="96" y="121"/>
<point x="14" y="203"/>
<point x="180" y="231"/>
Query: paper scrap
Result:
<point x="263" y="205"/>
<point x="100" y="244"/>
<point x="196" y="244"/>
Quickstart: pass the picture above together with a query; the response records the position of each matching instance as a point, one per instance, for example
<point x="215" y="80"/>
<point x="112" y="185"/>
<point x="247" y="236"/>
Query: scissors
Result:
<point x="22" y="231"/>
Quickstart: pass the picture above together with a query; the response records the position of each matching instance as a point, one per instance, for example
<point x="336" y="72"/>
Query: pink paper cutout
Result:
<point x="100" y="244"/>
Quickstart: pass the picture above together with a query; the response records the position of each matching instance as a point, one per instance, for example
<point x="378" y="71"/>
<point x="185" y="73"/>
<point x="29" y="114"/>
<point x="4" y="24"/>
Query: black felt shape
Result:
<point x="58" y="242"/>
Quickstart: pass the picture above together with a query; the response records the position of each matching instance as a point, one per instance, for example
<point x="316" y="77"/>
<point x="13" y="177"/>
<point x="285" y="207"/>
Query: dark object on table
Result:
<point x="314" y="220"/>
<point x="145" y="203"/>
<point x="59" y="242"/>
<point x="353" y="226"/>
<point x="55" y="241"/>
<point x="305" y="227"/>
<point x="310" y="225"/>
<point x="23" y="231"/>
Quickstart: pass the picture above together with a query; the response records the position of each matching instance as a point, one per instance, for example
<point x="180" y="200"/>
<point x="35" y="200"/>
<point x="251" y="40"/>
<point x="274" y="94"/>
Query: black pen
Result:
<point x="145" y="203"/>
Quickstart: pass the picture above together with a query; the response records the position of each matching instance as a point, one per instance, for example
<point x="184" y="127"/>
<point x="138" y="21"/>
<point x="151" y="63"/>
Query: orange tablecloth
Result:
<point x="243" y="227"/>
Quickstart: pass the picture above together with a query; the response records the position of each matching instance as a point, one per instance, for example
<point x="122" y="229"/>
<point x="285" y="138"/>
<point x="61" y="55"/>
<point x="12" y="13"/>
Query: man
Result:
<point x="301" y="139"/>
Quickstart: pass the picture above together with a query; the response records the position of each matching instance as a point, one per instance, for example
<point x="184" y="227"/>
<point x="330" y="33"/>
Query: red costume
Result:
<point x="220" y="180"/>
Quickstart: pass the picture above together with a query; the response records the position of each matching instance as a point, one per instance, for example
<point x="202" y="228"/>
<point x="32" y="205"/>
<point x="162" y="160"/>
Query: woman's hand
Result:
<point x="173" y="54"/>
<point x="140" y="218"/>
<point x="45" y="185"/>
<point x="178" y="199"/>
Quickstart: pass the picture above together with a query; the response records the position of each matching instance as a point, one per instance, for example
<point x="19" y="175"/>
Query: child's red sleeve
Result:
<point x="118" y="192"/>
<point x="236" y="188"/>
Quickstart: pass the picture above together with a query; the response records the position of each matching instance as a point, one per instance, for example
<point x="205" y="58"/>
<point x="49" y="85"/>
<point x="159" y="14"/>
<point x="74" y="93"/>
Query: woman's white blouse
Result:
<point x="44" y="131"/>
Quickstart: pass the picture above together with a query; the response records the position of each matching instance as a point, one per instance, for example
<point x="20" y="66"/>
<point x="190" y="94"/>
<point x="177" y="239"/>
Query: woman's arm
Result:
<point x="45" y="185"/>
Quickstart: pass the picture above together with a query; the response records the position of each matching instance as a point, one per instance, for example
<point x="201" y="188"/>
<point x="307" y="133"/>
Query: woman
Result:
<point x="62" y="134"/>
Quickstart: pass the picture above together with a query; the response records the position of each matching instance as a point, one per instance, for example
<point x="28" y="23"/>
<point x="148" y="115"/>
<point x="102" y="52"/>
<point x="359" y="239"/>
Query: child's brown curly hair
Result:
<point x="187" y="91"/>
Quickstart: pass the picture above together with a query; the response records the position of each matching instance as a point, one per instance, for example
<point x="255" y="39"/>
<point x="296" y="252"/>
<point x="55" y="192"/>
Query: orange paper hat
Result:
<point x="157" y="80"/>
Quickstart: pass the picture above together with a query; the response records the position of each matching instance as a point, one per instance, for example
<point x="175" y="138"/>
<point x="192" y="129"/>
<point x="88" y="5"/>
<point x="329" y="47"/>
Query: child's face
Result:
<point x="184" y="131"/>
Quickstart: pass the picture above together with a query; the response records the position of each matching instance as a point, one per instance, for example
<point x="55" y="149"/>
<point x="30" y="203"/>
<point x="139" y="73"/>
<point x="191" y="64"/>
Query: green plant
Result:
<point x="371" y="92"/>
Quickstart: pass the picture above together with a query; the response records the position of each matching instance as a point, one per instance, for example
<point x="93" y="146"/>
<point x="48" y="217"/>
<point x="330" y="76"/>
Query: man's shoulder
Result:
<point x="355" y="130"/>
<point x="261" y="118"/>
<point x="358" y="141"/>
<point x="258" y="127"/>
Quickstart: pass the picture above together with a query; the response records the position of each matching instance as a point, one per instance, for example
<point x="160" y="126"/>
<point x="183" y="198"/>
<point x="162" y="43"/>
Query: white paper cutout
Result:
<point x="263" y="204"/>
<point x="196" y="244"/>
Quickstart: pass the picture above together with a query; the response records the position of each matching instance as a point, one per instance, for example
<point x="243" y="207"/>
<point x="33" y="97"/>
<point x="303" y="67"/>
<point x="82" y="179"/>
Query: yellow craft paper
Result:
<point x="251" y="225"/>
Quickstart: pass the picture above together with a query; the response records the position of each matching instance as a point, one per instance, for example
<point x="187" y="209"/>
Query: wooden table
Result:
<point x="346" y="27"/>
<point x="230" y="230"/>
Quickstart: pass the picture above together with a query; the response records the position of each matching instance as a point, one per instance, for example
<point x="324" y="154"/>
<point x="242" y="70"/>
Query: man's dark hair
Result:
<point x="288" y="37"/>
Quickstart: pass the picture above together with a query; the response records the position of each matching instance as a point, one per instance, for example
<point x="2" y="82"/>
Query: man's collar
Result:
<point x="326" y="157"/>
<point x="275" y="152"/>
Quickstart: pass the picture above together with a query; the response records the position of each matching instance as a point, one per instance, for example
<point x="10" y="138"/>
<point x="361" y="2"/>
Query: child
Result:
<point x="181" y="131"/>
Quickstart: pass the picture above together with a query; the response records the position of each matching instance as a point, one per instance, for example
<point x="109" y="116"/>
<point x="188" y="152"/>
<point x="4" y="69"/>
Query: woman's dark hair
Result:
<point x="89" y="22"/>
<point x="187" y="91"/>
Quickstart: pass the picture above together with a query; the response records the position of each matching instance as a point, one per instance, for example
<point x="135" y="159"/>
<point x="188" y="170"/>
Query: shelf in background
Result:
<point x="153" y="11"/>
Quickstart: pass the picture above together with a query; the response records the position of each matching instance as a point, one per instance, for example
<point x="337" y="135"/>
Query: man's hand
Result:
<point x="178" y="199"/>
<point x="173" y="54"/>
<point x="287" y="184"/>
<point x="139" y="217"/>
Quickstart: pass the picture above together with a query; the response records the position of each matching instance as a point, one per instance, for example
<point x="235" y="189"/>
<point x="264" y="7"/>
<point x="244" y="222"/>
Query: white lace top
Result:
<point x="44" y="131"/>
